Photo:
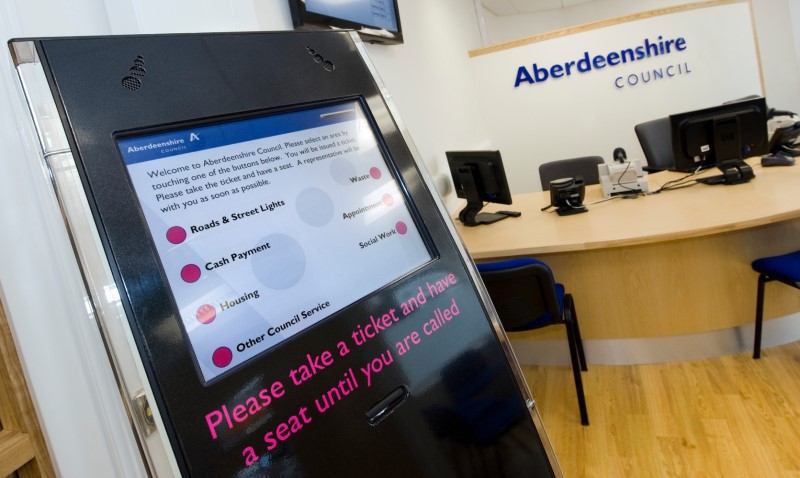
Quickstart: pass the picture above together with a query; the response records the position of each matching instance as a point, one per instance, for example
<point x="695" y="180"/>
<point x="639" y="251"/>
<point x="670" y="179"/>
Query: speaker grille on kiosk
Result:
<point x="326" y="64"/>
<point x="137" y="72"/>
<point x="131" y="83"/>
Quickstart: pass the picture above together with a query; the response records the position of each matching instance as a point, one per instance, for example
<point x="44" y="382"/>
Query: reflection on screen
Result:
<point x="376" y="13"/>
<point x="266" y="226"/>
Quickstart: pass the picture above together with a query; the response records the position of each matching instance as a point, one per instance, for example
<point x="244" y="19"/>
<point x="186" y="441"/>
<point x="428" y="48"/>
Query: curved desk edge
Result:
<point x="698" y="211"/>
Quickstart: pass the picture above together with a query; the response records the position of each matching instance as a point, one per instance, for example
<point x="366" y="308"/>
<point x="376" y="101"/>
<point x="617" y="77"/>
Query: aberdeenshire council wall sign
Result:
<point x="587" y="63"/>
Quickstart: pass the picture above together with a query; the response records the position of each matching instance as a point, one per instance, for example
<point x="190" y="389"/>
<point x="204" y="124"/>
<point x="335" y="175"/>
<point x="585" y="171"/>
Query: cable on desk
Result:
<point x="618" y="196"/>
<point x="568" y="204"/>
<point x="680" y="183"/>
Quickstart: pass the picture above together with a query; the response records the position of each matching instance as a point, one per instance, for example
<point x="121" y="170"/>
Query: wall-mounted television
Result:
<point x="376" y="21"/>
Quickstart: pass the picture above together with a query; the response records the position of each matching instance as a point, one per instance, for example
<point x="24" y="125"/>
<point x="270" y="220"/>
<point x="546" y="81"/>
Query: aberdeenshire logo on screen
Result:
<point x="588" y="62"/>
<point x="151" y="146"/>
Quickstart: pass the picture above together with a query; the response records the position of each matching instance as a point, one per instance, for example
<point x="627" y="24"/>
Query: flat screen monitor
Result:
<point x="479" y="177"/>
<point x="730" y="132"/>
<point x="244" y="217"/>
<point x="376" y="21"/>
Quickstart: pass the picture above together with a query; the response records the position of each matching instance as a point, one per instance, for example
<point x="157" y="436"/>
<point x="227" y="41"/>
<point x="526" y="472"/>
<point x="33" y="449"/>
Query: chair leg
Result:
<point x="577" y="330"/>
<point x="576" y="371"/>
<point x="762" y="279"/>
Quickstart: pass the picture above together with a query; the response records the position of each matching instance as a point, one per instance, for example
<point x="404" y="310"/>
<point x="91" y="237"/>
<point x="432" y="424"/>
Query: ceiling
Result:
<point x="514" y="7"/>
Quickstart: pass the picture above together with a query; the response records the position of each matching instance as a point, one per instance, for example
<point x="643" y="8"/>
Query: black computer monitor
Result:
<point x="478" y="177"/>
<point x="720" y="134"/>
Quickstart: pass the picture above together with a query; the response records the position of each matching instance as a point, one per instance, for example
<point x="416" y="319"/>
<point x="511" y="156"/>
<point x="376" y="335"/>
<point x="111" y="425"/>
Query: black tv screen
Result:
<point x="376" y="21"/>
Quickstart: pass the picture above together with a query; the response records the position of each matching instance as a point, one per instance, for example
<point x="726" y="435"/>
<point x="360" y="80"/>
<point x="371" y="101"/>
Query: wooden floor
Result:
<point x="724" y="417"/>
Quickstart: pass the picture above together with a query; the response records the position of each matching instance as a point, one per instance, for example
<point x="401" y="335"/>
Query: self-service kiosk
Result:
<point x="281" y="292"/>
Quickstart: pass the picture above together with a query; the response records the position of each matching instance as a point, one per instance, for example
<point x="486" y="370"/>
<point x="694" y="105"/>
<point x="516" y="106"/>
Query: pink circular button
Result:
<point x="176" y="234"/>
<point x="222" y="357"/>
<point x="206" y="314"/>
<point x="375" y="173"/>
<point x="190" y="273"/>
<point x="388" y="199"/>
<point x="401" y="227"/>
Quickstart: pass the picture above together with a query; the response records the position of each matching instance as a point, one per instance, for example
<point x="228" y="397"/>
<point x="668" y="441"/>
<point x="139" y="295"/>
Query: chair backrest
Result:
<point x="523" y="292"/>
<point x="656" y="139"/>
<point x="585" y="167"/>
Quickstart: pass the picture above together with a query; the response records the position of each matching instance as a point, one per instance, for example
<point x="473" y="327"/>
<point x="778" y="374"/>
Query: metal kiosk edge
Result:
<point x="278" y="289"/>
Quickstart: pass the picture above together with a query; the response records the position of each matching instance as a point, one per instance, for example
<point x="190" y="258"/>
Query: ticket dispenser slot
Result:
<point x="387" y="405"/>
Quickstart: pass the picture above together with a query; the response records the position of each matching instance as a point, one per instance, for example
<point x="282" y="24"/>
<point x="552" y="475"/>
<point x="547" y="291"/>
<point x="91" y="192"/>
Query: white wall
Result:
<point x="778" y="44"/>
<point x="40" y="285"/>
<point x="501" y="29"/>
<point x="776" y="23"/>
<point x="794" y="18"/>
<point x="427" y="78"/>
<point x="592" y="113"/>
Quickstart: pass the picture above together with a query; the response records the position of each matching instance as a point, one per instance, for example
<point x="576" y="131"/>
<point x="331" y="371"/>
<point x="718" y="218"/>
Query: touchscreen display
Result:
<point x="268" y="225"/>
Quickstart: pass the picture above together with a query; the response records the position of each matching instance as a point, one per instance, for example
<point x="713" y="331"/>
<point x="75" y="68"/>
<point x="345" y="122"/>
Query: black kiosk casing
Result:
<point x="312" y="312"/>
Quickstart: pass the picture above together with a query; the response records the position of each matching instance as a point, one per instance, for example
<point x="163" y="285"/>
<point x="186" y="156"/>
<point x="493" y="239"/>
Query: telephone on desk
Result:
<point x="566" y="195"/>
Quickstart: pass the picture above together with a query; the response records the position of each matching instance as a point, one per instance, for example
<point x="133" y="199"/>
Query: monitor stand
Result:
<point x="489" y="217"/>
<point x="470" y="215"/>
<point x="734" y="171"/>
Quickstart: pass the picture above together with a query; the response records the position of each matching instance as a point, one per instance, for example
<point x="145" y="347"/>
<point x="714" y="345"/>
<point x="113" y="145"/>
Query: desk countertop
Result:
<point x="772" y="196"/>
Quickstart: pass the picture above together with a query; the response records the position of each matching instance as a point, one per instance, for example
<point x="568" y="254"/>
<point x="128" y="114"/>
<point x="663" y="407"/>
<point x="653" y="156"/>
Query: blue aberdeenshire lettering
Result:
<point x="540" y="74"/>
<point x="149" y="146"/>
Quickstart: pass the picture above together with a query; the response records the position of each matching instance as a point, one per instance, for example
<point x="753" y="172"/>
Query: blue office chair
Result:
<point x="784" y="268"/>
<point x="527" y="297"/>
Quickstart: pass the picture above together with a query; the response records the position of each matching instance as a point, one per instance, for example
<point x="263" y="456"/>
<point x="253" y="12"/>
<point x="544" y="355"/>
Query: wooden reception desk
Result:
<point x="661" y="265"/>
